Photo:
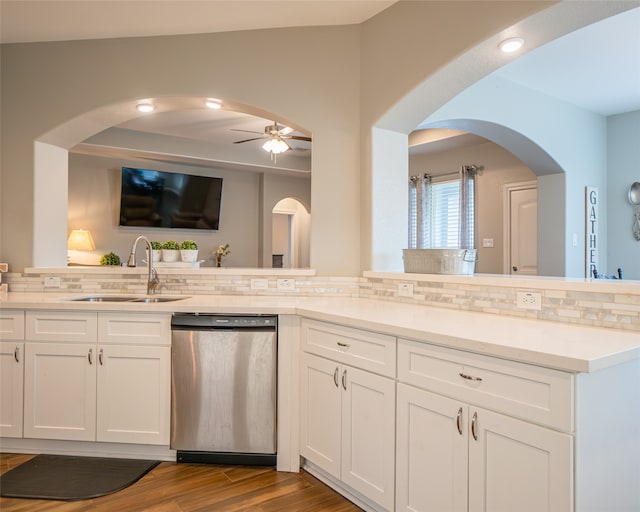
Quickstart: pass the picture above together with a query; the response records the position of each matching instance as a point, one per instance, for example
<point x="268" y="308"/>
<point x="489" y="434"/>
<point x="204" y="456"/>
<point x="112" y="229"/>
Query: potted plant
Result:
<point x="189" y="251"/>
<point x="221" y="251"/>
<point x="156" y="249"/>
<point x="110" y="259"/>
<point x="170" y="251"/>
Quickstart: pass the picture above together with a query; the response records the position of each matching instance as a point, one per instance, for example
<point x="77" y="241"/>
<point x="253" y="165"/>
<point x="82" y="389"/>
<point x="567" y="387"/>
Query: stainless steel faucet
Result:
<point x="152" y="280"/>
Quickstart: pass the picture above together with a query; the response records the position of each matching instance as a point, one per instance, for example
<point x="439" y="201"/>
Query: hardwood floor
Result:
<point x="172" y="487"/>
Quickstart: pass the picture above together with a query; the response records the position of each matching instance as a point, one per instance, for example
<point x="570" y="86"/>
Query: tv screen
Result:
<point x="169" y="200"/>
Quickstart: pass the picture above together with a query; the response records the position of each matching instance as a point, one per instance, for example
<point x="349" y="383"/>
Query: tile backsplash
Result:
<point x="567" y="301"/>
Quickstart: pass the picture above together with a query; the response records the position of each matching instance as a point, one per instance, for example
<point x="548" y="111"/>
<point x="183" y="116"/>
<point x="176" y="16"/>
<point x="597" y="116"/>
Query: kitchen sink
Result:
<point x="116" y="298"/>
<point x="158" y="299"/>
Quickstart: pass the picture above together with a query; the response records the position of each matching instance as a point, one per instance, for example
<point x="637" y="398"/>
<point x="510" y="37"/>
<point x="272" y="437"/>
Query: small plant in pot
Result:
<point x="156" y="248"/>
<point x="189" y="251"/>
<point x="111" y="259"/>
<point x="170" y="251"/>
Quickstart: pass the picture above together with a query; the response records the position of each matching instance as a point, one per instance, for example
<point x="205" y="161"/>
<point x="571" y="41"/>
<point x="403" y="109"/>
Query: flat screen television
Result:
<point x="169" y="200"/>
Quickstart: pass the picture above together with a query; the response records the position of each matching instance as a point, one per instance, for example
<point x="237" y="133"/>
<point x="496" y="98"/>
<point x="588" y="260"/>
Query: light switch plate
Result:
<point x="52" y="282"/>
<point x="487" y="242"/>
<point x="405" y="290"/>
<point x="259" y="284"/>
<point x="286" y="284"/>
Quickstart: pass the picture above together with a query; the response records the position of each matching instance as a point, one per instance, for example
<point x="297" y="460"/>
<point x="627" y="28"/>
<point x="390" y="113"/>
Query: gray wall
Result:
<point x="94" y="195"/>
<point x="623" y="168"/>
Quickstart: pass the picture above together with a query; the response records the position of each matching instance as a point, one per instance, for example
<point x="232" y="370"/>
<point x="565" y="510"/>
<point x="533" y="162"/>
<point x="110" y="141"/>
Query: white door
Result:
<point x="11" y="388"/>
<point x="522" y="236"/>
<point x="431" y="462"/>
<point x="368" y="434"/>
<point x="320" y="413"/>
<point x="60" y="391"/>
<point x="134" y="395"/>
<point x="515" y="465"/>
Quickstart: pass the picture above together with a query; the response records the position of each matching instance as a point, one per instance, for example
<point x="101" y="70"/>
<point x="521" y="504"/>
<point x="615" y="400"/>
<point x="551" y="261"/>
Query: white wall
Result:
<point x="500" y="167"/>
<point x="623" y="163"/>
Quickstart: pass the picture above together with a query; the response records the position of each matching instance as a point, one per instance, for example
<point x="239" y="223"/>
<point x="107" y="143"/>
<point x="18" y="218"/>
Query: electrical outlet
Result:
<point x="487" y="242"/>
<point x="286" y="284"/>
<point x="259" y="284"/>
<point x="52" y="282"/>
<point x="405" y="290"/>
<point x="529" y="300"/>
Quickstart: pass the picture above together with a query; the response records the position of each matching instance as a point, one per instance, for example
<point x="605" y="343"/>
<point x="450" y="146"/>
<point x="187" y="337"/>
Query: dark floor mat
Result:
<point x="61" y="477"/>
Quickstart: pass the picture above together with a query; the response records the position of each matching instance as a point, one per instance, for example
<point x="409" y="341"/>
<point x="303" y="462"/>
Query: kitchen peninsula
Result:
<point x="508" y="387"/>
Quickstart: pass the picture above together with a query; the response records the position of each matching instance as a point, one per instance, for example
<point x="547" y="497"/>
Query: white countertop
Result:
<point x="543" y="343"/>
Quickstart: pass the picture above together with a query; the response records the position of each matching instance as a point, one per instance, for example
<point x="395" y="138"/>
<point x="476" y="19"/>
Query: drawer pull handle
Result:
<point x="470" y="377"/>
<point x="474" y="422"/>
<point x="335" y="377"/>
<point x="345" y="345"/>
<point x="90" y="356"/>
<point x="459" y="421"/>
<point x="344" y="380"/>
<point x="16" y="354"/>
<point x="100" y="358"/>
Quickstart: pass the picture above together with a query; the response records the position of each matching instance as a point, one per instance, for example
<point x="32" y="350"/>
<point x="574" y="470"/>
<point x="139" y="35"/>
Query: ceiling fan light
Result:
<point x="145" y="107"/>
<point x="275" y="146"/>
<point x="513" y="44"/>
<point x="212" y="103"/>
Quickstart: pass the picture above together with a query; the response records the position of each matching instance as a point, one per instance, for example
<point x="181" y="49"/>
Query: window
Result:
<point x="439" y="218"/>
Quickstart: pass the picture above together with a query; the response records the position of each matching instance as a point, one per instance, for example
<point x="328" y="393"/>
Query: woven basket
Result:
<point x="439" y="261"/>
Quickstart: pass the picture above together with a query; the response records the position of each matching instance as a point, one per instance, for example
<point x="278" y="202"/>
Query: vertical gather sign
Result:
<point x="591" y="238"/>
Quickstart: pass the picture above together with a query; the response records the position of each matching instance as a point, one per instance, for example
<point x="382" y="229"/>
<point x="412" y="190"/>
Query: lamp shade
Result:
<point x="80" y="240"/>
<point x="275" y="146"/>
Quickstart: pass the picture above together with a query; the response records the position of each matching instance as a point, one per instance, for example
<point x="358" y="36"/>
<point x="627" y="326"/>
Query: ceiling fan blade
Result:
<point x="247" y="131"/>
<point x="247" y="140"/>
<point x="296" y="137"/>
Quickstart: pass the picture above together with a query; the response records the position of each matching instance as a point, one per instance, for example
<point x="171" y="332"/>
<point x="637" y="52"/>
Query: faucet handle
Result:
<point x="154" y="282"/>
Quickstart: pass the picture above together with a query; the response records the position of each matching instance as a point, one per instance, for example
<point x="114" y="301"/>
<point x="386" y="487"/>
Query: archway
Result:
<point x="290" y="234"/>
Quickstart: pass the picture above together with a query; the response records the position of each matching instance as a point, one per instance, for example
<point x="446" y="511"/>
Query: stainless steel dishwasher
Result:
<point x="223" y="388"/>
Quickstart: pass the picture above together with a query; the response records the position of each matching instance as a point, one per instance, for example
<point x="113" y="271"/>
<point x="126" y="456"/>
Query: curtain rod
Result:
<point x="450" y="173"/>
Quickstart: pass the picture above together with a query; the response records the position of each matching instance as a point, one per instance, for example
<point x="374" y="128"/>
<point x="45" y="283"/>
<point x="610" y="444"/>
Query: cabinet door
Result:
<point x="368" y="434"/>
<point x="320" y="411"/>
<point x="60" y="391"/>
<point x="432" y="445"/>
<point x="11" y="388"/>
<point x="515" y="465"/>
<point x="134" y="396"/>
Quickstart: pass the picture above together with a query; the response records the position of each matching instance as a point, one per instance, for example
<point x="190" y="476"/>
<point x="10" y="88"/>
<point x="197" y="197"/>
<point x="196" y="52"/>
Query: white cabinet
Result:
<point x="348" y="414"/>
<point x="106" y="385"/>
<point x="11" y="372"/>
<point x="453" y="455"/>
<point x="60" y="391"/>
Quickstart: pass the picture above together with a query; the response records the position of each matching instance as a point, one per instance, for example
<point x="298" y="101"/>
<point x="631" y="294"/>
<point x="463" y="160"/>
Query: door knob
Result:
<point x="515" y="269"/>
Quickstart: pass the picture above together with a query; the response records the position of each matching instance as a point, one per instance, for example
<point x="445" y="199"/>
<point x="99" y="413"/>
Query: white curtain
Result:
<point x="466" y="225"/>
<point x="419" y="205"/>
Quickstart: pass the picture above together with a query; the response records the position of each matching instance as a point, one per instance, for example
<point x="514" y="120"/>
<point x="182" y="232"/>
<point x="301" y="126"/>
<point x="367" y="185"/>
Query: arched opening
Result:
<point x="291" y="221"/>
<point x="77" y="168"/>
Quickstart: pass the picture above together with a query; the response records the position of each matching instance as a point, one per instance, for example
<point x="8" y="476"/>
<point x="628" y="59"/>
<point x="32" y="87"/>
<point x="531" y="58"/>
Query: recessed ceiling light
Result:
<point x="145" y="107"/>
<point x="213" y="103"/>
<point x="513" y="44"/>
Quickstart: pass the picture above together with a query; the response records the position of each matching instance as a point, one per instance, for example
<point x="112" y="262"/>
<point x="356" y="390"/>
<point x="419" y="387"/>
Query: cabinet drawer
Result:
<point x="134" y="328"/>
<point x="363" y="349"/>
<point x="61" y="326"/>
<point x="533" y="393"/>
<point x="11" y="325"/>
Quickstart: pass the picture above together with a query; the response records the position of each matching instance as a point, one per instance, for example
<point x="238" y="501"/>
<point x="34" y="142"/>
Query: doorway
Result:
<point x="290" y="234"/>
<point x="520" y="207"/>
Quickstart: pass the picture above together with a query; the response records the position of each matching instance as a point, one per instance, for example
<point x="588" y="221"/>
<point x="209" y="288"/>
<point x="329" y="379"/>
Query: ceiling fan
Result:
<point x="276" y="136"/>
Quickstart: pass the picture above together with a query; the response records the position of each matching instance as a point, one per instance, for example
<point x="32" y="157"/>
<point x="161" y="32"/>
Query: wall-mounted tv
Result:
<point x="169" y="200"/>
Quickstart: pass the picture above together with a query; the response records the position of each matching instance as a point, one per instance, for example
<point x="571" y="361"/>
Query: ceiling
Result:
<point x="596" y="68"/>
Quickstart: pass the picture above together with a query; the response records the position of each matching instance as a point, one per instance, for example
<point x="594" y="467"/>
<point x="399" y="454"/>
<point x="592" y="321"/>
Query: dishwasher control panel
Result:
<point x="212" y="321"/>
